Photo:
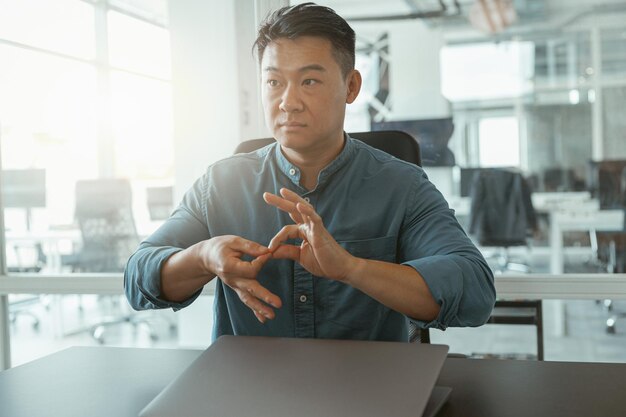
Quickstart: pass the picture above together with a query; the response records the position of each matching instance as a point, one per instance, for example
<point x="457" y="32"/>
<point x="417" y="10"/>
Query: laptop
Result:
<point x="283" y="377"/>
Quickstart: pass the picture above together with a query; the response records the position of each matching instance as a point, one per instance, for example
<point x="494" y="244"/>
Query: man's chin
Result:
<point x="293" y="140"/>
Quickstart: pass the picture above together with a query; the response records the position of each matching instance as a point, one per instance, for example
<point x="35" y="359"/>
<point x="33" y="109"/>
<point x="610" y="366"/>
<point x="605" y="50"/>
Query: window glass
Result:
<point x="48" y="121"/>
<point x="65" y="26"/>
<point x="613" y="47"/>
<point x="614" y="122"/>
<point x="138" y="46"/>
<point x="142" y="127"/>
<point x="499" y="142"/>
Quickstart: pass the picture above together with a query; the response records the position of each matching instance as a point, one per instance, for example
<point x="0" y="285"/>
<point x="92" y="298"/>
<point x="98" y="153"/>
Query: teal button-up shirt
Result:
<point x="374" y="205"/>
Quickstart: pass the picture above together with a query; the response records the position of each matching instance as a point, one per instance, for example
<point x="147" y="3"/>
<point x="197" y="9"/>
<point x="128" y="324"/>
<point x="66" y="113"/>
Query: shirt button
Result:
<point x="292" y="171"/>
<point x="307" y="199"/>
<point x="303" y="298"/>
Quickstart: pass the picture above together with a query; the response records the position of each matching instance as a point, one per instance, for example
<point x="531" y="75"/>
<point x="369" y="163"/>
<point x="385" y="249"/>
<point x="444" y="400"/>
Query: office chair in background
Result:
<point x="25" y="189"/>
<point x="104" y="214"/>
<point x="502" y="213"/>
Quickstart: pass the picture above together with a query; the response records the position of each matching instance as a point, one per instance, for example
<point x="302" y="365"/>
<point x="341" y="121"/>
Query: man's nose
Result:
<point x="290" y="100"/>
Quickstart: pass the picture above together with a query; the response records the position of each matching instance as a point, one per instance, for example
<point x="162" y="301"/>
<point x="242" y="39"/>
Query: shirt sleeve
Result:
<point x="185" y="227"/>
<point x="435" y="245"/>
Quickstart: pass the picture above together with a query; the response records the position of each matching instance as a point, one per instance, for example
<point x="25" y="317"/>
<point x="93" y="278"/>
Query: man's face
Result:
<point x="304" y="93"/>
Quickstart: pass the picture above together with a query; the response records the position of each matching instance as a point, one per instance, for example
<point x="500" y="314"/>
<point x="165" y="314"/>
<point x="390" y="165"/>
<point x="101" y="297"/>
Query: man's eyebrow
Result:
<point x="312" y="67"/>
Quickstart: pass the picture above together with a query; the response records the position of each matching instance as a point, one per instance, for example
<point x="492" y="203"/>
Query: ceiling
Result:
<point x="452" y="15"/>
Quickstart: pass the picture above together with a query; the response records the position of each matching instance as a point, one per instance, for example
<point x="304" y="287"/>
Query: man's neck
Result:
<point x="313" y="161"/>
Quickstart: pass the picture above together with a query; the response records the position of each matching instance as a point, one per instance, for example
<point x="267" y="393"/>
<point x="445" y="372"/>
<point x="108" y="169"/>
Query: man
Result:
<point x="318" y="235"/>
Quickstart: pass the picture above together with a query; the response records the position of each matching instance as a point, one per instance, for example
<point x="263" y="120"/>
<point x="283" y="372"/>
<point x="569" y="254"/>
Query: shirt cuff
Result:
<point x="445" y="282"/>
<point x="150" y="281"/>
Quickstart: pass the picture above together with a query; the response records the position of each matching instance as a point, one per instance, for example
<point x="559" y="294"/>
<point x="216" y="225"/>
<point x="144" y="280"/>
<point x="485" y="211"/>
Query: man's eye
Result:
<point x="310" y="82"/>
<point x="272" y="83"/>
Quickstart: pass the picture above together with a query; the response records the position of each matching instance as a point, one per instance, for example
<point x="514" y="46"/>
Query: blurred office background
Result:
<point x="110" y="109"/>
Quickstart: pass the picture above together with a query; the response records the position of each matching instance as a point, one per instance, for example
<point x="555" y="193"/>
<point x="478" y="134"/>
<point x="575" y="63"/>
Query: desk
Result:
<point x="51" y="241"/>
<point x="578" y="221"/>
<point x="103" y="381"/>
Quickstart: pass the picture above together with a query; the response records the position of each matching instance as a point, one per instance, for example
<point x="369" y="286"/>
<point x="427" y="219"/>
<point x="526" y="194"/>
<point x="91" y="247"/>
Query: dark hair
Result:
<point x="309" y="19"/>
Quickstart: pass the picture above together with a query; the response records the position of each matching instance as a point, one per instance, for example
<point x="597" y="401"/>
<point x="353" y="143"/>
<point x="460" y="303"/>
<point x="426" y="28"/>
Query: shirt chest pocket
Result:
<point x="347" y="307"/>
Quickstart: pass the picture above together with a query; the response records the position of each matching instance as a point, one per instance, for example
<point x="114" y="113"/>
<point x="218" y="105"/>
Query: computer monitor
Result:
<point x="24" y="188"/>
<point x="432" y="134"/>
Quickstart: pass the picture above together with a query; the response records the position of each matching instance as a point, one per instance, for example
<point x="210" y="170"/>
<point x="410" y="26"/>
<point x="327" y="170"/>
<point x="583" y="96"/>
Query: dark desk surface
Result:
<point x="80" y="382"/>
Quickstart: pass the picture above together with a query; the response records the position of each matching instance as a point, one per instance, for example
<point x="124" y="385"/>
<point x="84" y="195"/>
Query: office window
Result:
<point x="48" y="121"/>
<point x="65" y="26"/>
<point x="142" y="127"/>
<point x="498" y="142"/>
<point x="613" y="47"/>
<point x="66" y="118"/>
<point x="614" y="122"/>
<point x="138" y="46"/>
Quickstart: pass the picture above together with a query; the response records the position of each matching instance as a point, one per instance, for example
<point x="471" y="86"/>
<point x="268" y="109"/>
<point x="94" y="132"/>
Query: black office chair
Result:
<point x="394" y="142"/>
<point x="104" y="214"/>
<point x="502" y="215"/>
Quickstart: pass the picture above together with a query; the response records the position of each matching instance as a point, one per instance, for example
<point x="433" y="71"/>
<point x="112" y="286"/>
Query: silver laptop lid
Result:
<point x="281" y="377"/>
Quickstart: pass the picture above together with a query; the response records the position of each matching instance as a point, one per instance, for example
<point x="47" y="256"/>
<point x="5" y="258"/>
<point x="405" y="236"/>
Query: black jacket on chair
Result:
<point x="502" y="212"/>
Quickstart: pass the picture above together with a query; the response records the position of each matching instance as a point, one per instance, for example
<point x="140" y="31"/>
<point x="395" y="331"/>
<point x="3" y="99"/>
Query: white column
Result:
<point x="5" y="335"/>
<point x="597" y="114"/>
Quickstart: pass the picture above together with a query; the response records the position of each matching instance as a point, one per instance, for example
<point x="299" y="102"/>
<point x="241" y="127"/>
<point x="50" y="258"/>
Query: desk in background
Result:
<point x="103" y="381"/>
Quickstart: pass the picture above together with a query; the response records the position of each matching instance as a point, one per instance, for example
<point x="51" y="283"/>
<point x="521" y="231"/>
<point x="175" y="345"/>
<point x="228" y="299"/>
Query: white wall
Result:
<point x="216" y="103"/>
<point x="213" y="81"/>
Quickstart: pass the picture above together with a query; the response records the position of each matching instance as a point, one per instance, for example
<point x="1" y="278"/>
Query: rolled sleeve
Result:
<point x="142" y="279"/>
<point x="458" y="277"/>
<point x="465" y="297"/>
<point x="186" y="227"/>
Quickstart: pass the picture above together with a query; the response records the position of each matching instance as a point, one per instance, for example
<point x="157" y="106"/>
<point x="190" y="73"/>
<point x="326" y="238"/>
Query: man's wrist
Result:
<point x="200" y="253"/>
<point x="356" y="271"/>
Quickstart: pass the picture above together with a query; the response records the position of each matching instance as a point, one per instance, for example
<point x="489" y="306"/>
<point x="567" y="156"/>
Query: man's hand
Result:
<point x="319" y="253"/>
<point x="222" y="255"/>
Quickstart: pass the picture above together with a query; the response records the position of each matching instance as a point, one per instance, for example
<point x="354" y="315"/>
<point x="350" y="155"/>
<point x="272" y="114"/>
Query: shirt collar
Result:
<point x="293" y="172"/>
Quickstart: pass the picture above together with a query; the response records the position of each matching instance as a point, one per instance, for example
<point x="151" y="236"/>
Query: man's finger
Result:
<point x="292" y="197"/>
<point x="291" y="231"/>
<point x="287" y="252"/>
<point x="284" y="205"/>
<point x="308" y="210"/>
<point x="265" y="295"/>
<point x="248" y="247"/>
<point x="254" y="304"/>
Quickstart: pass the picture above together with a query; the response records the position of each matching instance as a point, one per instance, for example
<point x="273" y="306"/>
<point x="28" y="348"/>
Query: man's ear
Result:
<point x="354" y="82"/>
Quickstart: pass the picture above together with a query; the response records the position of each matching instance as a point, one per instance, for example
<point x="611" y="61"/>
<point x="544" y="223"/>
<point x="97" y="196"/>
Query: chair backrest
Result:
<point x="501" y="211"/>
<point x="105" y="217"/>
<point x="607" y="182"/>
<point x="394" y="142"/>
